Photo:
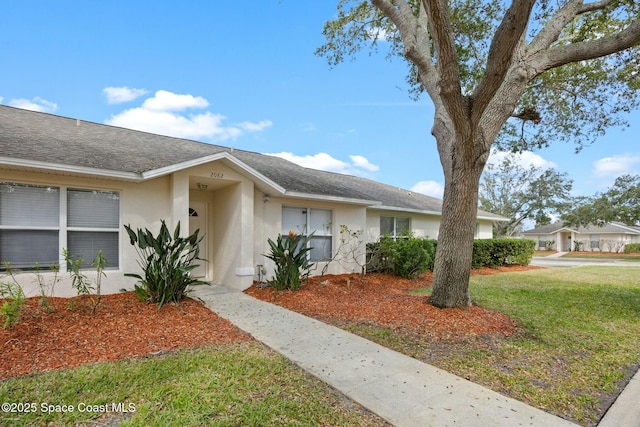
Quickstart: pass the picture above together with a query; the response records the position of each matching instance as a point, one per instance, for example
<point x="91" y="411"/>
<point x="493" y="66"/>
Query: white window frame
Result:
<point x="62" y="227"/>
<point x="395" y="235"/>
<point x="325" y="232"/>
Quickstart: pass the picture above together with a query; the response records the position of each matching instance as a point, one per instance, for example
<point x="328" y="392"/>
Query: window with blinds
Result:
<point x="306" y="221"/>
<point x="93" y="218"/>
<point x="35" y="225"/>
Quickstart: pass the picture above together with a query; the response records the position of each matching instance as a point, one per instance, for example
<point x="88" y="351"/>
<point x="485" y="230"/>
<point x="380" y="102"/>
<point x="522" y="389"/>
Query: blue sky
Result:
<point x="244" y="74"/>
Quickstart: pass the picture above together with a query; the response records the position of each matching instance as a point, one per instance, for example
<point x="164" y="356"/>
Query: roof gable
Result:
<point x="608" y="228"/>
<point x="45" y="141"/>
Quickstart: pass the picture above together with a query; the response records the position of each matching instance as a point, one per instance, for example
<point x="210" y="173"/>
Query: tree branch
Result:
<point x="415" y="37"/>
<point x="449" y="74"/>
<point x="591" y="49"/>
<point x="508" y="35"/>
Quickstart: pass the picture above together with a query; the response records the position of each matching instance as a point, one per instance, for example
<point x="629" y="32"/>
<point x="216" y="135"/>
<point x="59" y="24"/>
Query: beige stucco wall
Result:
<point x="229" y="199"/>
<point x="141" y="205"/>
<point x="608" y="242"/>
<point x="239" y="220"/>
<point x="268" y="224"/>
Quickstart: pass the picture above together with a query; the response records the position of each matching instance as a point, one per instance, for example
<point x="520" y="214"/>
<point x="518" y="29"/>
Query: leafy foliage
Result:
<point x="630" y="248"/>
<point x="290" y="255"/>
<point x="520" y="193"/>
<point x="498" y="252"/>
<point x="167" y="262"/>
<point x="14" y="299"/>
<point x="407" y="257"/>
<point x="620" y="203"/>
<point x="79" y="280"/>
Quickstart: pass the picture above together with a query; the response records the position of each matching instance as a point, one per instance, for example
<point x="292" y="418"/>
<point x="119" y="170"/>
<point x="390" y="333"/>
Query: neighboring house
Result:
<point x="610" y="237"/>
<point x="67" y="183"/>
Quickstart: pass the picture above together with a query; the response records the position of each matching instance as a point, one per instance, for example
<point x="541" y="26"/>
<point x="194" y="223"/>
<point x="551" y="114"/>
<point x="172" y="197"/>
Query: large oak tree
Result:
<point x="510" y="75"/>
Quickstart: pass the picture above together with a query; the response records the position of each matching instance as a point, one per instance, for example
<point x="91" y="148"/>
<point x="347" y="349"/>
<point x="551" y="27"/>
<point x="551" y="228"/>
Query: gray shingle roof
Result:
<point x="41" y="137"/>
<point x="608" y="228"/>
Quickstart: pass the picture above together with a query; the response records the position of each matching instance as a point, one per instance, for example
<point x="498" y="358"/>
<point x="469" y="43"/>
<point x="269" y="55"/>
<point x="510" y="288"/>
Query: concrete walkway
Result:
<point x="400" y="389"/>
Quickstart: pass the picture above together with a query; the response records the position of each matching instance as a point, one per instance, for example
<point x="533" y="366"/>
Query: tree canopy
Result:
<point x="516" y="75"/>
<point x="619" y="203"/>
<point x="522" y="193"/>
<point x="582" y="58"/>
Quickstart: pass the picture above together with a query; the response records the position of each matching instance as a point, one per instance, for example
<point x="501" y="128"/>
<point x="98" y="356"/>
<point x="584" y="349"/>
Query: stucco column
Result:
<point x="244" y="268"/>
<point x="180" y="203"/>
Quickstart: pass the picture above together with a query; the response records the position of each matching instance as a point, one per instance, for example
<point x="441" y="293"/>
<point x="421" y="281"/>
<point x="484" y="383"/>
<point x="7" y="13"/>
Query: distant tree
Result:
<point x="619" y="203"/>
<point x="494" y="69"/>
<point x="520" y="193"/>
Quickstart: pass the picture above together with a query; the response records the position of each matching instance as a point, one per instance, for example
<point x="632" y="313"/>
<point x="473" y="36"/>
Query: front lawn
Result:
<point x="576" y="344"/>
<point x="223" y="385"/>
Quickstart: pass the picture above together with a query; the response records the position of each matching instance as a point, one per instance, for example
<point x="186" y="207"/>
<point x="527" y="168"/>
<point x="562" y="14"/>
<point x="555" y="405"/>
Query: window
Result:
<point x="395" y="227"/>
<point x="36" y="222"/>
<point x="93" y="221"/>
<point x="595" y="241"/>
<point x="306" y="221"/>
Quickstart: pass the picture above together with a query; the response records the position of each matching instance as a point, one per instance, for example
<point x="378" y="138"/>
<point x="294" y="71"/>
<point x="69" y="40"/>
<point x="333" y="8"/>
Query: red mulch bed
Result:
<point x="384" y="300"/>
<point x="122" y="327"/>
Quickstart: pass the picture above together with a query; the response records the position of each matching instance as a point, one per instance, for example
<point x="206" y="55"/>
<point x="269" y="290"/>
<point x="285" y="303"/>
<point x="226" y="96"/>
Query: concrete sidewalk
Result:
<point x="400" y="389"/>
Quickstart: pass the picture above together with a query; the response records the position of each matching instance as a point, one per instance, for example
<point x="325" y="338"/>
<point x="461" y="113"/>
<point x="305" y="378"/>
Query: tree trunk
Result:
<point x="463" y="160"/>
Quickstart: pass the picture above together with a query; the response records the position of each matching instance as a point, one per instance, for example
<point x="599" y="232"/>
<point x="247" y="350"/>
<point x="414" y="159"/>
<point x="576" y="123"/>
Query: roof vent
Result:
<point x="77" y="122"/>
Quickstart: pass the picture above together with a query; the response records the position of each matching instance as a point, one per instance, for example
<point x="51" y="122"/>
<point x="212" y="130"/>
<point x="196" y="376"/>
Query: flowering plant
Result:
<point x="292" y="262"/>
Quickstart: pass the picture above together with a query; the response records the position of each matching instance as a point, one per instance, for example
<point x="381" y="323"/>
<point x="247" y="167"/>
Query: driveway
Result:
<point x="576" y="262"/>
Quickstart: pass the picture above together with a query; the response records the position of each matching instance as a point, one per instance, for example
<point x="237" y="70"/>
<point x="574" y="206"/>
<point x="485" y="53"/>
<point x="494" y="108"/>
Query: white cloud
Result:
<point x="617" y="165"/>
<point x="35" y="104"/>
<point x="159" y="114"/>
<point x="429" y="188"/>
<point x="359" y="165"/>
<point x="118" y="95"/>
<point x="168" y="101"/>
<point x="363" y="163"/>
<point x="524" y="159"/>
<point x="255" y="127"/>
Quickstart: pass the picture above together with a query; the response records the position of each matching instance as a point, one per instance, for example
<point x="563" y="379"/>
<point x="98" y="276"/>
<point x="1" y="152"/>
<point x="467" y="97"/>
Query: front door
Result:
<point x="198" y="221"/>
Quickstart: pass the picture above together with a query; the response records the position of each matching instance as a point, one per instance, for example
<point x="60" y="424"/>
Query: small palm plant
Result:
<point x="292" y="262"/>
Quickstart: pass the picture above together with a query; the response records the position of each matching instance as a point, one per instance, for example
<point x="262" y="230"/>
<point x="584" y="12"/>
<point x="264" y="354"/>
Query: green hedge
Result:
<point x="498" y="252"/>
<point x="631" y="247"/>
<point x="411" y="256"/>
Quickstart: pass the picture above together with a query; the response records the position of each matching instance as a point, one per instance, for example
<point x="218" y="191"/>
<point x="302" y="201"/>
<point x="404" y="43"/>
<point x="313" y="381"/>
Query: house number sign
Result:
<point x="217" y="175"/>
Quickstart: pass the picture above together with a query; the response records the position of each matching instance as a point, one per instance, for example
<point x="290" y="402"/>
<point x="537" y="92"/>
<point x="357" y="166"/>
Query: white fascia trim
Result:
<point x="407" y="210"/>
<point x="59" y="167"/>
<point x="224" y="155"/>
<point x="324" y="198"/>
<point x="436" y="213"/>
<point x="133" y="176"/>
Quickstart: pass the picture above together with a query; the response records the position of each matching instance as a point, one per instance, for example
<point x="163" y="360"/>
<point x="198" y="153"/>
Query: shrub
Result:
<point x="167" y="262"/>
<point x="407" y="257"/>
<point x="290" y="257"/>
<point x="79" y="280"/>
<point x="631" y="247"/>
<point x="412" y="256"/>
<point x="13" y="301"/>
<point x="497" y="252"/>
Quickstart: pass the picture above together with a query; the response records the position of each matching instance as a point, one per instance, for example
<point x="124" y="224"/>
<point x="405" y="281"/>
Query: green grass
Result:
<point x="635" y="257"/>
<point x="246" y="385"/>
<point x="581" y="338"/>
